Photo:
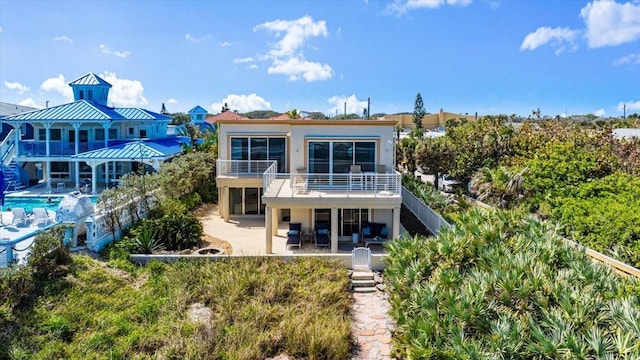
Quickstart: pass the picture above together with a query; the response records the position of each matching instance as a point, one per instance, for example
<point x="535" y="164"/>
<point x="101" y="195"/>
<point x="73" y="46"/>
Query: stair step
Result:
<point x="363" y="283"/>
<point x="365" y="289"/>
<point x="362" y="275"/>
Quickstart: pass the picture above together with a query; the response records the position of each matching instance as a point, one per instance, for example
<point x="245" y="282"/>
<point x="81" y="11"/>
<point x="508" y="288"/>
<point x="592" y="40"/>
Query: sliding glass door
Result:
<point x="336" y="157"/>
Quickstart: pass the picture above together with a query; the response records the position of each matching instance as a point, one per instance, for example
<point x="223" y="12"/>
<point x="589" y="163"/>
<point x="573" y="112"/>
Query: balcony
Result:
<point x="243" y="168"/>
<point x="29" y="148"/>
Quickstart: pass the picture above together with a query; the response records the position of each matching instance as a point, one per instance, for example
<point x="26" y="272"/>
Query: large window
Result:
<point x="337" y="156"/>
<point x="59" y="170"/>
<point x="55" y="134"/>
<point x="260" y="148"/>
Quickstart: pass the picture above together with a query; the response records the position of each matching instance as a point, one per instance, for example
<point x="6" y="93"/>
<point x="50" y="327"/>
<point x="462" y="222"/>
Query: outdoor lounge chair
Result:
<point x="322" y="235"/>
<point x="293" y="235"/>
<point x="19" y="217"/>
<point x="40" y="216"/>
<point x="356" y="178"/>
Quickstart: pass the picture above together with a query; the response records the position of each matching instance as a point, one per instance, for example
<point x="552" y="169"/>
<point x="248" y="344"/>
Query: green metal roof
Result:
<point x="90" y="79"/>
<point x="129" y="151"/>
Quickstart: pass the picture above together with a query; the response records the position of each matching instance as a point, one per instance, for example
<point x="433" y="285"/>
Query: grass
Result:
<point x="259" y="308"/>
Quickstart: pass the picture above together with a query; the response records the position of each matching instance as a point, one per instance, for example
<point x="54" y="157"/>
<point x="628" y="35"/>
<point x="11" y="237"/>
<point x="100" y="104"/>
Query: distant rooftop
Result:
<point x="7" y="109"/>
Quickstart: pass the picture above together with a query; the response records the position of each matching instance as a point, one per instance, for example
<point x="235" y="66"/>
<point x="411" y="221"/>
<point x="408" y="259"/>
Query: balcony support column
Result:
<point x="47" y="137"/>
<point x="224" y="211"/>
<point x="275" y="222"/>
<point x="334" y="230"/>
<point x="76" y="144"/>
<point x="268" y="224"/>
<point x="395" y="229"/>
<point x="106" y="125"/>
<point x="17" y="129"/>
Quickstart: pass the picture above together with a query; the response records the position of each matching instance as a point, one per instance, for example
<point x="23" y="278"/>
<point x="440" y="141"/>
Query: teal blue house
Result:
<point x="85" y="140"/>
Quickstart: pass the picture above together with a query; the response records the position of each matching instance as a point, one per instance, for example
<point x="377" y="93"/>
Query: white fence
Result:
<point x="428" y="217"/>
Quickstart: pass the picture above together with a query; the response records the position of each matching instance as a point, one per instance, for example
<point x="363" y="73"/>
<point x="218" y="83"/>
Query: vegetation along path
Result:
<point x="371" y="325"/>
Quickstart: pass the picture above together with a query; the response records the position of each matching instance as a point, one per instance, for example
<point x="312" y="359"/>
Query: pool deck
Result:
<point x="27" y="230"/>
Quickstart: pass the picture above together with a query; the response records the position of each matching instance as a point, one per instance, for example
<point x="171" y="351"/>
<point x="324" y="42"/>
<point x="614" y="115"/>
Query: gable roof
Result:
<point x="12" y="109"/>
<point x="143" y="149"/>
<point x="197" y="110"/>
<point x="226" y="115"/>
<point x="90" y="79"/>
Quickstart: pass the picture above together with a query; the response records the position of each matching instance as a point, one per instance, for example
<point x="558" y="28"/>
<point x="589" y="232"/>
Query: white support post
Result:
<point x="275" y="224"/>
<point x="268" y="224"/>
<point x="334" y="230"/>
<point x="396" y="222"/>
<point x="94" y="178"/>
<point x="225" y="203"/>
<point x="76" y="144"/>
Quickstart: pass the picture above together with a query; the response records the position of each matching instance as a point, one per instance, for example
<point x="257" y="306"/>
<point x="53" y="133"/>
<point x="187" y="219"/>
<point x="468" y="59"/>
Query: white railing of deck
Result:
<point x="269" y="176"/>
<point x="242" y="168"/>
<point x="383" y="184"/>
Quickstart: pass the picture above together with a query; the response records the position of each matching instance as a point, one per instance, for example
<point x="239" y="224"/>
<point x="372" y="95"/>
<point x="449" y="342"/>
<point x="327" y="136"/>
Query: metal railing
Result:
<point x="269" y="176"/>
<point x="56" y="148"/>
<point x="431" y="220"/>
<point x="243" y="168"/>
<point x="385" y="183"/>
<point x="8" y="148"/>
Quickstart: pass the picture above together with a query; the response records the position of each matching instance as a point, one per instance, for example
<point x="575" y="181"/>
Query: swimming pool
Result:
<point x="30" y="202"/>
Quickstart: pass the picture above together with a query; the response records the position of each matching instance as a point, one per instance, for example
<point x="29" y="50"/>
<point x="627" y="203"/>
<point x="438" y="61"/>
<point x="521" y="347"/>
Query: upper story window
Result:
<point x="54" y="134"/>
<point x="143" y="133"/>
<point x="99" y="134"/>
<point x="131" y="131"/>
<point x="336" y="157"/>
<point x="81" y="94"/>
<point x="199" y="116"/>
<point x="113" y="134"/>
<point x="90" y="94"/>
<point x="260" y="148"/>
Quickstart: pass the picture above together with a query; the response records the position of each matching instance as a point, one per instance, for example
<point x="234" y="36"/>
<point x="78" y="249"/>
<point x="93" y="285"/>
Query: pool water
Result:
<point x="30" y="202"/>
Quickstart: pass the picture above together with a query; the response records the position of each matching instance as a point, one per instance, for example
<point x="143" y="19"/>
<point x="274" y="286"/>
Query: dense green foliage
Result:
<point x="501" y="285"/>
<point x="259" y="308"/>
<point x="550" y="168"/>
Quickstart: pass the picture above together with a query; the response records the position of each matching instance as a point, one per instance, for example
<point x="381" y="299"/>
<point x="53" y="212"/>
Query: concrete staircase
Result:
<point x="363" y="281"/>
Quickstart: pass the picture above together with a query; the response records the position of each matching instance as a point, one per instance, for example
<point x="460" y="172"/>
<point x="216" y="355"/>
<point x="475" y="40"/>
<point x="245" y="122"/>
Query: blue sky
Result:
<point x="466" y="56"/>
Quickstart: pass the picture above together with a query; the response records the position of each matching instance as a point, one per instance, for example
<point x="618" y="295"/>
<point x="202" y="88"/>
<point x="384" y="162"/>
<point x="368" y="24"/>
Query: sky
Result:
<point x="463" y="56"/>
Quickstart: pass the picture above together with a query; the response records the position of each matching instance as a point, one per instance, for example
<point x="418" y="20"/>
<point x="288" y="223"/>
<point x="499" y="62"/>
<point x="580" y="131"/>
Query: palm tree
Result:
<point x="500" y="186"/>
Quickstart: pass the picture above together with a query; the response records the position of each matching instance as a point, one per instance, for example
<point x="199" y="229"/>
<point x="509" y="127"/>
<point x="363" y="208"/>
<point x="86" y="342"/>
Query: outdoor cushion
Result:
<point x="384" y="231"/>
<point x="293" y="232"/>
<point x="366" y="231"/>
<point x="323" y="231"/>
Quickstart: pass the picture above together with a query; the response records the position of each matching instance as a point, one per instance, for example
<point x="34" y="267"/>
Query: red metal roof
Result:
<point x="227" y="115"/>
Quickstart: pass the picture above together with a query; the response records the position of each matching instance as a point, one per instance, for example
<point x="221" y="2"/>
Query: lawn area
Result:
<point x="247" y="308"/>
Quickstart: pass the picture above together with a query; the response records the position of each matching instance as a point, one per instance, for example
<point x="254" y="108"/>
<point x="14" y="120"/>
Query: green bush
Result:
<point x="191" y="200"/>
<point x="178" y="231"/>
<point x="503" y="285"/>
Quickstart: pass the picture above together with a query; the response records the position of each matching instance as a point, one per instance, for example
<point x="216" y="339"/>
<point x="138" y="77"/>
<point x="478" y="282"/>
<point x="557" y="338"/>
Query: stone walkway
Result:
<point x="372" y="325"/>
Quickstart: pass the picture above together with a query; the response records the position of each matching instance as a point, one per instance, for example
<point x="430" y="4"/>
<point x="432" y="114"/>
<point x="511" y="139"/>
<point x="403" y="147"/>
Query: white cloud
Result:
<point x="172" y="101"/>
<point x="121" y="54"/>
<point x="610" y="23"/>
<point x="225" y="44"/>
<point x="558" y="37"/>
<point x="400" y="7"/>
<point x="124" y="92"/>
<point x="631" y="59"/>
<point x="294" y="33"/>
<point x="287" y="55"/>
<point x="631" y="105"/>
<point x="197" y="39"/>
<point x="296" y="68"/>
<point x="242" y="103"/>
<point x="354" y="106"/>
<point x="21" y="88"/>
<point x="59" y="85"/>
<point x="599" y="113"/>
<point x="252" y="67"/>
<point x="29" y="102"/>
<point x="243" y="60"/>
<point x="0" y="29"/>
<point x="64" y="38"/>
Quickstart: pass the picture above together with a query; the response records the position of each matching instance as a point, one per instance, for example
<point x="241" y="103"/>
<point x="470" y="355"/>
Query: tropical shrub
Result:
<point x="178" y="231"/>
<point x="505" y="285"/>
<point x="428" y="194"/>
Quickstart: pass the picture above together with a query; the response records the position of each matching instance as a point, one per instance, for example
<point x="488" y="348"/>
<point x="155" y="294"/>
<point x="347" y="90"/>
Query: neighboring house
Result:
<point x="7" y="109"/>
<point x="430" y="121"/>
<point x="225" y="115"/>
<point x="198" y="117"/>
<point x="86" y="139"/>
<point x="301" y="170"/>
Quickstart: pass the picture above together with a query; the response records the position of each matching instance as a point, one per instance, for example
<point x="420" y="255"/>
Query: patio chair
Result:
<point x="40" y="216"/>
<point x="19" y="217"/>
<point x="361" y="258"/>
<point x="356" y="178"/>
<point x="322" y="235"/>
<point x="293" y="235"/>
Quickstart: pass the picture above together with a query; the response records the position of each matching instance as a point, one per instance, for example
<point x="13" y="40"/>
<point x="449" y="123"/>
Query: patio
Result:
<point x="27" y="232"/>
<point x="246" y="235"/>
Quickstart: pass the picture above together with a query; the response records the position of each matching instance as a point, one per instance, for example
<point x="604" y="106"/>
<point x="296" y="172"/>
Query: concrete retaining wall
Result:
<point x="377" y="262"/>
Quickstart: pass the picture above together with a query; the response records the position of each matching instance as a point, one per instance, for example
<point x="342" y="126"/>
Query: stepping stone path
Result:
<point x="371" y="323"/>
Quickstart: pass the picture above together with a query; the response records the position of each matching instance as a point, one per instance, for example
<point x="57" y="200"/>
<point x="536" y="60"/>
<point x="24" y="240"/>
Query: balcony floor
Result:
<point x="282" y="188"/>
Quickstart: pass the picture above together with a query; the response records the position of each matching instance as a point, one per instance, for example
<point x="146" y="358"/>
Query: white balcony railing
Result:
<point x="386" y="183"/>
<point x="243" y="168"/>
